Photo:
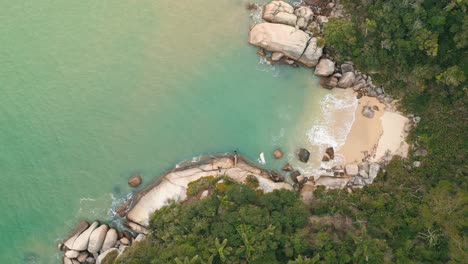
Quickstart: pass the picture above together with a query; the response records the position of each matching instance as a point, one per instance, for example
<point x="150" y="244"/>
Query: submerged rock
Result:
<point x="303" y="155"/>
<point x="295" y="44"/>
<point x="277" y="154"/>
<point x="134" y="181"/>
<point x="276" y="177"/>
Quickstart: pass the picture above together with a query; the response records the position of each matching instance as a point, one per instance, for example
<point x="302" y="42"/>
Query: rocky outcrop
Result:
<point x="352" y="169"/>
<point x="293" y="43"/>
<point x="173" y="184"/>
<point x="325" y="67"/>
<point x="368" y="112"/>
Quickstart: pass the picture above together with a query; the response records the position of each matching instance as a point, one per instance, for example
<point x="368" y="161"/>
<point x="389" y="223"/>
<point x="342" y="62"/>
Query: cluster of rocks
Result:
<point x="345" y="76"/>
<point x="292" y="35"/>
<point x="92" y="243"/>
<point x="288" y="36"/>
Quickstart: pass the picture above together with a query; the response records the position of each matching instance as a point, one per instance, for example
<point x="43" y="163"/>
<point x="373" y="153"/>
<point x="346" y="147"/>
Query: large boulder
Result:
<point x="97" y="239"/>
<point x="325" y="67"/>
<point x="346" y="80"/>
<point x="80" y="228"/>
<point x="303" y="155"/>
<point x="110" y="239"/>
<point x="81" y="242"/>
<point x="71" y="254"/>
<point x="304" y="15"/>
<point x="293" y="43"/>
<point x="279" y="12"/>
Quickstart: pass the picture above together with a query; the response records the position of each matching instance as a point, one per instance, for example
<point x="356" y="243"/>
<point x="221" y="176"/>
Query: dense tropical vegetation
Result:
<point x="417" y="50"/>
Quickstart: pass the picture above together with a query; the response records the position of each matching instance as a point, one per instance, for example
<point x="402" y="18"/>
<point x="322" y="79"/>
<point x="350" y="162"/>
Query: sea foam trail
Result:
<point x="332" y="129"/>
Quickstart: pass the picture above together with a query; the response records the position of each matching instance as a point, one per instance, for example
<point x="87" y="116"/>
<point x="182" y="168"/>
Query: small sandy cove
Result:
<point x="372" y="138"/>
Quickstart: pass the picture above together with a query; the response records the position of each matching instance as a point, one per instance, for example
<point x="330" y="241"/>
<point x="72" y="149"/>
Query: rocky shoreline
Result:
<point x="288" y="35"/>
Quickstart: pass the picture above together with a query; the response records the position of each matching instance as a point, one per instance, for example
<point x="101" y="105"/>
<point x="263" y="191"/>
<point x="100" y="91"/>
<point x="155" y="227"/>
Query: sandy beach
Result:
<point x="371" y="138"/>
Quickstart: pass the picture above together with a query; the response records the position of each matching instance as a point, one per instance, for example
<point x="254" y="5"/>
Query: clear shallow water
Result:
<point x="94" y="91"/>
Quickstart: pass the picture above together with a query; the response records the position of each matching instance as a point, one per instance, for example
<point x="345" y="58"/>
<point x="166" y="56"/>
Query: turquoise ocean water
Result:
<point x="94" y="91"/>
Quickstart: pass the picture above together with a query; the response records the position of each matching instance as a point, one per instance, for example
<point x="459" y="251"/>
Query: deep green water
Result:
<point x="93" y="91"/>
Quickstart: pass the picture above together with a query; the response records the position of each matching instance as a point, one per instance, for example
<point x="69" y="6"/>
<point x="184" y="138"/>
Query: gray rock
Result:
<point x="358" y="181"/>
<point x="368" y="112"/>
<point x="416" y="164"/>
<point x="363" y="174"/>
<point x="110" y="239"/>
<point x="124" y="241"/>
<point x="81" y="242"/>
<point x="90" y="260"/>
<point x="328" y="82"/>
<point x="322" y="20"/>
<point x="104" y="254"/>
<point x="71" y="254"/>
<point x="66" y="260"/>
<point x="74" y="261"/>
<point x="372" y="93"/>
<point x="303" y="155"/>
<point x="337" y="75"/>
<point x="373" y="170"/>
<point x="352" y="169"/>
<point x="379" y="90"/>
<point x="416" y="119"/>
<point x="346" y="67"/>
<point x="96" y="239"/>
<point x="279" y="12"/>
<point x="325" y="67"/>
<point x="83" y="256"/>
<point x="80" y="228"/>
<point x="304" y="15"/>
<point x="420" y="152"/>
<point x="347" y="80"/>
<point x="364" y="166"/>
